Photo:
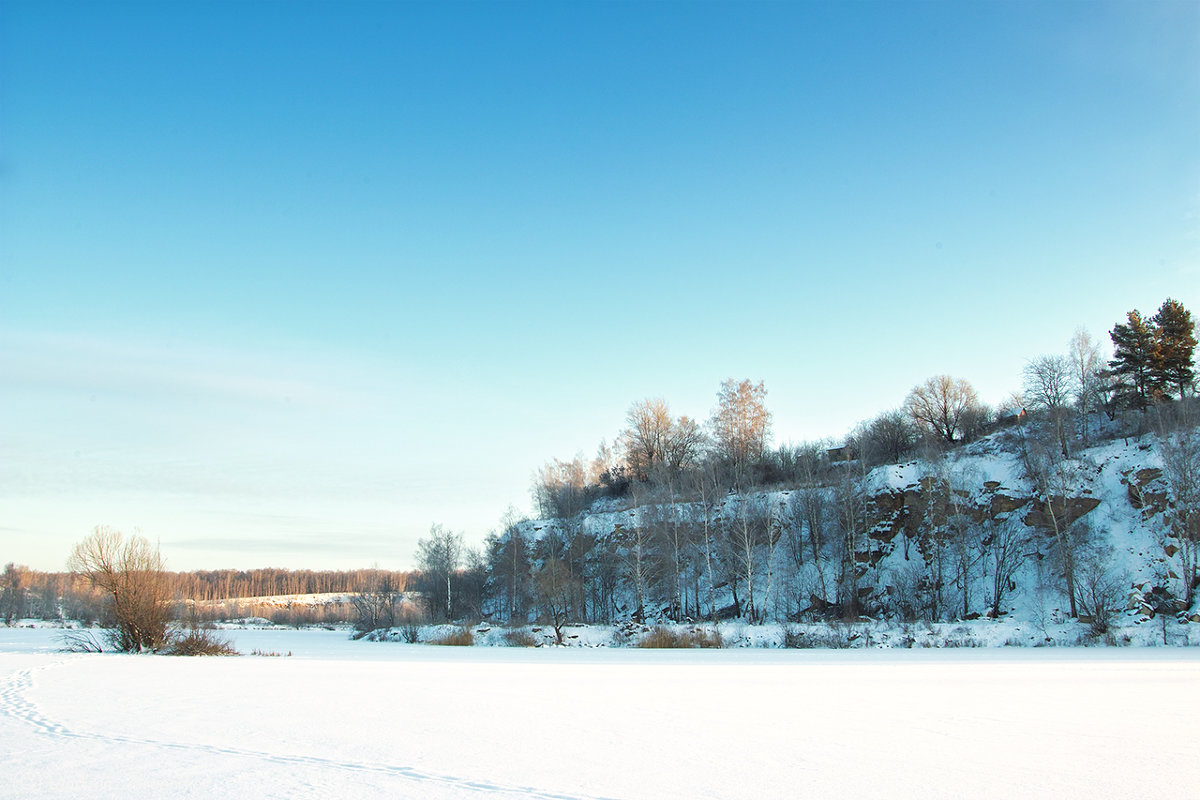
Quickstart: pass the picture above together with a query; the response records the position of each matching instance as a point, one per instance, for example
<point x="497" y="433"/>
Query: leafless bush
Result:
<point x="1113" y="640"/>
<point x="519" y="637"/>
<point x="1101" y="589"/>
<point x="793" y="638"/>
<point x="826" y="638"/>
<point x="959" y="640"/>
<point x="378" y="605"/>
<point x="410" y="633"/>
<point x="461" y="637"/>
<point x="664" y="637"/>
<point x="198" y="641"/>
<point x="81" y="641"/>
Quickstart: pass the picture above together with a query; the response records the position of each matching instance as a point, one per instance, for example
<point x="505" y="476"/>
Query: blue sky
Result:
<point x="285" y="283"/>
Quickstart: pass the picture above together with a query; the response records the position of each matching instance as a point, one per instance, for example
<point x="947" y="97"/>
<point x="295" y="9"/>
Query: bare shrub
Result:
<point x="81" y="641"/>
<point x="461" y="637"/>
<point x="270" y="653"/>
<point x="410" y="632"/>
<point x="825" y="637"/>
<point x="378" y="604"/>
<point x="664" y="637"/>
<point x="519" y="637"/>
<point x="1113" y="640"/>
<point x="197" y="641"/>
<point x="793" y="638"/>
<point x="960" y="640"/>
<point x="1101" y="589"/>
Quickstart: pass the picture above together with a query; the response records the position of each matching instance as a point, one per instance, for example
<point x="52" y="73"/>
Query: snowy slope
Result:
<point x="1115" y="489"/>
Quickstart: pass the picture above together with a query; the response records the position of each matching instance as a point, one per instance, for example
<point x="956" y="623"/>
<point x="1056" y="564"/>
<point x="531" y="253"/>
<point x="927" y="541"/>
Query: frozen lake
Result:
<point x="358" y="719"/>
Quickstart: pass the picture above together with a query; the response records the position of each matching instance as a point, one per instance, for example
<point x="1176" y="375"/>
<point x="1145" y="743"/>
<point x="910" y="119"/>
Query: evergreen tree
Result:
<point x="1175" y="337"/>
<point x="1135" y="354"/>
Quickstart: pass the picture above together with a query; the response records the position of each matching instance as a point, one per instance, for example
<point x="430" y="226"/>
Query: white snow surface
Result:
<point x="340" y="718"/>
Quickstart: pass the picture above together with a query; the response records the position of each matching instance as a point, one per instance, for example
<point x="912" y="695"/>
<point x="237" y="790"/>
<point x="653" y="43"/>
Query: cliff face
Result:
<point x="964" y="536"/>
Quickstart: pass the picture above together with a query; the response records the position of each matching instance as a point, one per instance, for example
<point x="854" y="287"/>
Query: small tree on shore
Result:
<point x="440" y="555"/>
<point x="556" y="586"/>
<point x="130" y="572"/>
<point x="378" y="603"/>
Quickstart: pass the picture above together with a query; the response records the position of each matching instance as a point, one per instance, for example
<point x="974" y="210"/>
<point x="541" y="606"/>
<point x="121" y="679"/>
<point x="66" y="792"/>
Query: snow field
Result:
<point x="359" y="719"/>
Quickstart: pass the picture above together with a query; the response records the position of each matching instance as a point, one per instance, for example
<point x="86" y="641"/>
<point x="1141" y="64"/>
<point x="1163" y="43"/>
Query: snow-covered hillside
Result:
<point x="994" y="529"/>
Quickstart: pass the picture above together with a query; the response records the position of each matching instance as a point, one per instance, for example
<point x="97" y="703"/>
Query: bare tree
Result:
<point x="674" y="541"/>
<point x="130" y="572"/>
<point x="932" y="512"/>
<point x="1048" y="387"/>
<point x="646" y="437"/>
<point x="741" y="426"/>
<point x="709" y="488"/>
<point x="964" y="534"/>
<point x="439" y="556"/>
<point x="850" y="506"/>
<point x="1048" y="382"/>
<point x="775" y="519"/>
<point x="563" y="489"/>
<point x="509" y="555"/>
<point x="378" y="602"/>
<point x="886" y="439"/>
<point x="1102" y="587"/>
<point x="1179" y="445"/>
<point x="940" y="405"/>
<point x="1087" y="369"/>
<point x="636" y="540"/>
<point x="1006" y="544"/>
<point x="14" y="587"/>
<point x="556" y="586"/>
<point x="751" y="530"/>
<point x="685" y="444"/>
<point x="812" y="501"/>
<point x="1051" y="475"/>
<point x="654" y="442"/>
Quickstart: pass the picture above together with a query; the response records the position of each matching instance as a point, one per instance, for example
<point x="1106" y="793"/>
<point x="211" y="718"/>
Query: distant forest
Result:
<point x="64" y="595"/>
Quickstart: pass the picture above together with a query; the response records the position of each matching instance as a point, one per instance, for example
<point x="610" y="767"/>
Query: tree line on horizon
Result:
<point x="25" y="592"/>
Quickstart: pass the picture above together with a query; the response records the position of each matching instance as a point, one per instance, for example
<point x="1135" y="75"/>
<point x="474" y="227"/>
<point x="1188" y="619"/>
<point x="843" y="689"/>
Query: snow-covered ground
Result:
<point x="361" y="719"/>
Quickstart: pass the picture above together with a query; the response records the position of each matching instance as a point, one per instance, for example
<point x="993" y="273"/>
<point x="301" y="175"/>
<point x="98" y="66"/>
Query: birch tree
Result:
<point x="439" y="556"/>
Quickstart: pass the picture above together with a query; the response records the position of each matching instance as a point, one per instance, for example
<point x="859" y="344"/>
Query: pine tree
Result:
<point x="1175" y="337"/>
<point x="1135" y="355"/>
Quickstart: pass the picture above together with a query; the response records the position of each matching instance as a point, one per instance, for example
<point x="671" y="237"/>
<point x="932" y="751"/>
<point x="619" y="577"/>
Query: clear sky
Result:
<point x="282" y="284"/>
